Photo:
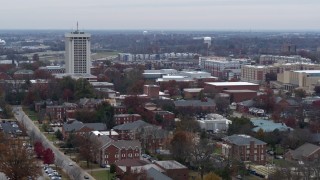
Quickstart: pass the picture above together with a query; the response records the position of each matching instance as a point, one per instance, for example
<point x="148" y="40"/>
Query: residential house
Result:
<point x="306" y="152"/>
<point x="244" y="148"/>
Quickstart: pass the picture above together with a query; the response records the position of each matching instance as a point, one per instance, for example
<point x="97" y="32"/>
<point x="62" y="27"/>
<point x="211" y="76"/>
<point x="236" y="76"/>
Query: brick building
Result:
<point x="119" y="150"/>
<point x="218" y="87"/>
<point x="151" y="137"/>
<point x="207" y="105"/>
<point x="240" y="95"/>
<point x="244" y="148"/>
<point x="126" y="118"/>
<point x="174" y="169"/>
<point x="152" y="91"/>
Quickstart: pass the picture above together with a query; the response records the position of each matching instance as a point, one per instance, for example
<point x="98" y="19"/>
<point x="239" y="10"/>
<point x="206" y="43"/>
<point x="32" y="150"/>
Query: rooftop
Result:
<point x="268" y="125"/>
<point x="242" y="139"/>
<point x="308" y="71"/>
<point x="231" y="84"/>
<point x="170" y="165"/>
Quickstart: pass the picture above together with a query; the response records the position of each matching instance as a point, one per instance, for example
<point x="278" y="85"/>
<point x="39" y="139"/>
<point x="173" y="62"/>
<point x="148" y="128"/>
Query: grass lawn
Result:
<point x="282" y="163"/>
<point x="32" y="115"/>
<point x="101" y="175"/>
<point x="83" y="164"/>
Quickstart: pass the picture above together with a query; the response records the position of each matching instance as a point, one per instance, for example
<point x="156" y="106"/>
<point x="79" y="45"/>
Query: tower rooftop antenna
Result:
<point x="77" y="26"/>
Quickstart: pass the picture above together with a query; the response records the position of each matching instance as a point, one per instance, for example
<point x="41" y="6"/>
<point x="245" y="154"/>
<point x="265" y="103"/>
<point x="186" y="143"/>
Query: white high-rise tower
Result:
<point x="77" y="55"/>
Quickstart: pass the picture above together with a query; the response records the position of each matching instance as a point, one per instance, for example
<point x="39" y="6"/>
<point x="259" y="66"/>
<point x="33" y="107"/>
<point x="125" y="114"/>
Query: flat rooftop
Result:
<point x="231" y="84"/>
<point x="239" y="91"/>
<point x="308" y="71"/>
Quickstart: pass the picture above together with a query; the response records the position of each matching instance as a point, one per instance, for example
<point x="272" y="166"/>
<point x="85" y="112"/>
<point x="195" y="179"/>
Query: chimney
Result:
<point x="128" y="169"/>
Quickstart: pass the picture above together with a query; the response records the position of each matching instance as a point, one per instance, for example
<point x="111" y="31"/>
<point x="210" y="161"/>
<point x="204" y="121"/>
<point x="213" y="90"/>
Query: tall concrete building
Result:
<point x="77" y="55"/>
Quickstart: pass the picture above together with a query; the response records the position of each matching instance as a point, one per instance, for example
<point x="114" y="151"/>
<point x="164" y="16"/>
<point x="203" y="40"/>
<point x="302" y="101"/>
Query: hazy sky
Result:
<point x="161" y="14"/>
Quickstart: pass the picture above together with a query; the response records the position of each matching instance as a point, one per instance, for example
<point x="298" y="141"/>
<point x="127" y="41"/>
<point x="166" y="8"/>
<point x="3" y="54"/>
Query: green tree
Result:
<point x="83" y="89"/>
<point x="59" y="135"/>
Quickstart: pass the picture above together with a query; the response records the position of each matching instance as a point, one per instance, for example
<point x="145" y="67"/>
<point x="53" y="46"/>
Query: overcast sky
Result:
<point x="161" y="14"/>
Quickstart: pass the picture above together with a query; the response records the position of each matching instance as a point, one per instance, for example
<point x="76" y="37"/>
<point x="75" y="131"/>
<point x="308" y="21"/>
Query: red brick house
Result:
<point x="244" y="148"/>
<point x="114" y="151"/>
<point x="55" y="112"/>
<point x="126" y="118"/>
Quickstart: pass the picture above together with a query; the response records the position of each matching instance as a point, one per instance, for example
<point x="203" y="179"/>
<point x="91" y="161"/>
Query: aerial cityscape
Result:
<point x="171" y="90"/>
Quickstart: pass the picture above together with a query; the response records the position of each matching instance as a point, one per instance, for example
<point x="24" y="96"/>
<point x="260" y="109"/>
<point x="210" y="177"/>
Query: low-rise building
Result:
<point x="214" y="123"/>
<point x="306" y="152"/>
<point x="174" y="169"/>
<point x="77" y="127"/>
<point x="244" y="148"/>
<point x="218" y="87"/>
<point x="126" y="118"/>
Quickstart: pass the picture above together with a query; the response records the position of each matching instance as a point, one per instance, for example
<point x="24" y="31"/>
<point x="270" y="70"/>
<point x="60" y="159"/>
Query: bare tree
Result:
<point x="17" y="162"/>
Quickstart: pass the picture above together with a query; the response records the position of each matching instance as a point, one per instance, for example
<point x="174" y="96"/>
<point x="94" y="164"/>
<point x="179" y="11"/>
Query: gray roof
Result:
<point x="304" y="151"/>
<point x="242" y="139"/>
<point x="171" y="164"/>
<point x="126" y="144"/>
<point x="132" y="126"/>
<point x="96" y="126"/>
<point x="198" y="103"/>
<point x="77" y="125"/>
<point x="156" y="175"/>
<point x="278" y="99"/>
<point x="72" y="126"/>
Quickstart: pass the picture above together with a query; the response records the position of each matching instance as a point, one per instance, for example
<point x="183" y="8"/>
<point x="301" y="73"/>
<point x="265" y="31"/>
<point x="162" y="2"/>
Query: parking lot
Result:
<point x="10" y="127"/>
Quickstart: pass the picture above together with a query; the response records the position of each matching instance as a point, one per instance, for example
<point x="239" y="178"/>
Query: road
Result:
<point x="71" y="168"/>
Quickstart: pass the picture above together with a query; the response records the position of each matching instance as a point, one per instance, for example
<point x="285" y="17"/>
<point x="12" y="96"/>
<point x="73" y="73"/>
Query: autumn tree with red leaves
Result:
<point x="38" y="149"/>
<point x="48" y="156"/>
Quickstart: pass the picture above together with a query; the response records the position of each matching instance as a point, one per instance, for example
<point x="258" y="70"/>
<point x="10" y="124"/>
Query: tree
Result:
<point x="59" y="135"/>
<point x="241" y="125"/>
<point x="86" y="116"/>
<point x="38" y="149"/>
<point x="181" y="145"/>
<point x="211" y="176"/>
<point x="17" y="161"/>
<point x="188" y="123"/>
<point x="48" y="156"/>
<point x="200" y="153"/>
<point x="83" y="89"/>
<point x="317" y="89"/>
<point x="300" y="93"/>
<point x="88" y="147"/>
